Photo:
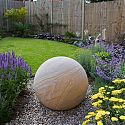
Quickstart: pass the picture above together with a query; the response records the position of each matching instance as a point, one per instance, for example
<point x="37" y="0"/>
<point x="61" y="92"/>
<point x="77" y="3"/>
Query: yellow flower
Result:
<point x="116" y="107"/>
<point x="97" y="104"/>
<point x="114" y="119"/>
<point x="119" y="81"/>
<point x="123" y="89"/>
<point x="92" y="113"/>
<point x="98" y="95"/>
<point x="102" y="90"/>
<point x="116" y="92"/>
<point x="100" y="114"/>
<point x="122" y="117"/>
<point x="86" y="122"/>
<point x="107" y="113"/>
<point x="99" y="123"/>
<point x="106" y="98"/>
<point x="88" y="116"/>
<point x="103" y="112"/>
<point x="123" y="106"/>
<point x="113" y="99"/>
<point x="121" y="100"/>
<point x="98" y="117"/>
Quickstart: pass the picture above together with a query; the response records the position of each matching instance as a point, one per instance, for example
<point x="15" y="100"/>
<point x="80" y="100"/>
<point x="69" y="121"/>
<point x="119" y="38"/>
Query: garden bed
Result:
<point x="30" y="111"/>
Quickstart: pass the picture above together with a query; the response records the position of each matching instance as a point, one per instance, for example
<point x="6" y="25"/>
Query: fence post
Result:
<point x="83" y="18"/>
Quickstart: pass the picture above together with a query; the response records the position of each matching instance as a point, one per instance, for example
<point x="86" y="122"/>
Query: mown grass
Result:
<point x="36" y="51"/>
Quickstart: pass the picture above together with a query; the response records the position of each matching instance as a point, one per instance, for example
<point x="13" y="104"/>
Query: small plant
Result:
<point x="23" y="30"/>
<point x="88" y="62"/>
<point x="16" y="15"/>
<point x="69" y="37"/>
<point x="14" y="74"/>
<point x="70" y="34"/>
<point x="103" y="55"/>
<point x="110" y="105"/>
<point x="2" y="33"/>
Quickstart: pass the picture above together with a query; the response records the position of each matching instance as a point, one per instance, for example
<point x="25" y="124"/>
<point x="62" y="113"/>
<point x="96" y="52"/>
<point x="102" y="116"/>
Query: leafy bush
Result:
<point x="110" y="105"/>
<point x="23" y="30"/>
<point x="2" y="34"/>
<point x="88" y="62"/>
<point x="103" y="55"/>
<point x="69" y="37"/>
<point x="16" y="15"/>
<point x="14" y="74"/>
<point x="70" y="34"/>
<point x="97" y="48"/>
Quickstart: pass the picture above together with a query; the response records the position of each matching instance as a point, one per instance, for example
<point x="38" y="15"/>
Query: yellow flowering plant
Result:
<point x="110" y="105"/>
<point x="16" y="15"/>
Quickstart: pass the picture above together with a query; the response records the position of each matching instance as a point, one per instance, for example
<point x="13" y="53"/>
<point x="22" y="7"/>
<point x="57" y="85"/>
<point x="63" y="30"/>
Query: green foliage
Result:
<point x="97" y="48"/>
<point x="70" y="34"/>
<point x="70" y="37"/>
<point x="97" y="83"/>
<point x="2" y="34"/>
<point x="103" y="55"/>
<point x="16" y="15"/>
<point x="88" y="62"/>
<point x="23" y="30"/>
<point x="14" y="74"/>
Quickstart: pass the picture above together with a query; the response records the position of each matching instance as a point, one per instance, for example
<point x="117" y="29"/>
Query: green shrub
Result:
<point x="97" y="48"/>
<point x="70" y="34"/>
<point x="23" y="30"/>
<point x="2" y="34"/>
<point x="103" y="55"/>
<point x="88" y="62"/>
<point x="69" y="37"/>
<point x="14" y="74"/>
<point x="16" y="15"/>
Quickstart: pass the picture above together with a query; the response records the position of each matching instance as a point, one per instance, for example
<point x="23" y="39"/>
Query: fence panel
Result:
<point x="105" y="15"/>
<point x="5" y="5"/>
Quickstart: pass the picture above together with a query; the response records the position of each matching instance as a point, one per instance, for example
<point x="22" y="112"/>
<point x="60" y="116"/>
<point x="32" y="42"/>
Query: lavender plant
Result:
<point x="111" y="65"/>
<point x="14" y="74"/>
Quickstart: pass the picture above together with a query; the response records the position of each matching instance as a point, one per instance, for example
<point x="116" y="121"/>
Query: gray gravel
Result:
<point x="33" y="113"/>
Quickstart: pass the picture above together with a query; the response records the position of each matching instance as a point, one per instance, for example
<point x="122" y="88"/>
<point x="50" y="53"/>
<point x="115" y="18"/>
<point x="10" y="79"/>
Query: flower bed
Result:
<point x="14" y="74"/>
<point x="110" y="104"/>
<point x="105" y="63"/>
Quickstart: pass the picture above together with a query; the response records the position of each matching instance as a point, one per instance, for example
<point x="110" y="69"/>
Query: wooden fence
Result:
<point x="67" y="16"/>
<point x="105" y="15"/>
<point x="5" y="5"/>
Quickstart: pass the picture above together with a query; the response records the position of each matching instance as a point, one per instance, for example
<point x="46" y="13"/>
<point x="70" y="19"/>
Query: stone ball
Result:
<point x="60" y="83"/>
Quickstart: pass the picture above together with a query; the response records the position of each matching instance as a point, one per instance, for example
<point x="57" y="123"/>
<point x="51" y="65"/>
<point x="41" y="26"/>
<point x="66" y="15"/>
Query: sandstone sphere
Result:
<point x="60" y="83"/>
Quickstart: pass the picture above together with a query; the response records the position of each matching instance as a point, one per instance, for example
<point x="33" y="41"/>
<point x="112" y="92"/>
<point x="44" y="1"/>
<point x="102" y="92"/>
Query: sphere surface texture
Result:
<point x="60" y="83"/>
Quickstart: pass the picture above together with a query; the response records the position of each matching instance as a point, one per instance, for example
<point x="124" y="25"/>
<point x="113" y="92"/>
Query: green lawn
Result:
<point x="36" y="51"/>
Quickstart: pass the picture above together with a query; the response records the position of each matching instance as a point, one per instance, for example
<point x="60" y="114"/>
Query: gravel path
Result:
<point x="31" y="112"/>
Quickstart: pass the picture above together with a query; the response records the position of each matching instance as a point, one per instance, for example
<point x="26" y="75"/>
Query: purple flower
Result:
<point x="10" y="65"/>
